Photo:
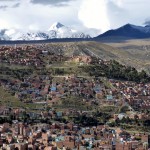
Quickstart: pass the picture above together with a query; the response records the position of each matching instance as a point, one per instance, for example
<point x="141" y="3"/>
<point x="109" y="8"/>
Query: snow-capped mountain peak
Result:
<point x="56" y="26"/>
<point x="57" y="30"/>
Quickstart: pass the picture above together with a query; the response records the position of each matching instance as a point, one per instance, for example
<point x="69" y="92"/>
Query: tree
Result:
<point x="124" y="109"/>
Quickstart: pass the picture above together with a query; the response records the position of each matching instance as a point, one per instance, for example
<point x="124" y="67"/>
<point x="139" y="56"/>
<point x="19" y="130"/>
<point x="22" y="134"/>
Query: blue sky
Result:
<point x="90" y="16"/>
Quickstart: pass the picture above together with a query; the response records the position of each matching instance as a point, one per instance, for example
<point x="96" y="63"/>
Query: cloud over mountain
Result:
<point x="92" y="16"/>
<point x="51" y="2"/>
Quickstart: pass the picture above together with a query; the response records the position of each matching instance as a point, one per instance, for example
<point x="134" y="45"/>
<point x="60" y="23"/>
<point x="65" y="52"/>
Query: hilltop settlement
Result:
<point x="59" y="97"/>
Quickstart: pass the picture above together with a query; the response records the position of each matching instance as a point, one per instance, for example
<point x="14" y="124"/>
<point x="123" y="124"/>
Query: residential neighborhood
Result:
<point x="69" y="136"/>
<point x="51" y="103"/>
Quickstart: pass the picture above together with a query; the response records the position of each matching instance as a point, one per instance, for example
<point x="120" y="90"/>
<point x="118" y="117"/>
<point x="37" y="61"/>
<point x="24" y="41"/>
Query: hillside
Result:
<point x="138" y="50"/>
<point x="95" y="48"/>
<point x="135" y="55"/>
<point x="128" y="31"/>
<point x="74" y="76"/>
<point x="129" y="52"/>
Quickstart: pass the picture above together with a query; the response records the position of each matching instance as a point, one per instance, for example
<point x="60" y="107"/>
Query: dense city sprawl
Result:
<point x="53" y="99"/>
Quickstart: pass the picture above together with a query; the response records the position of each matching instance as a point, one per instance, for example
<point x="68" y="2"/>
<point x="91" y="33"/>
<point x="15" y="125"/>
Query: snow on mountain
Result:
<point x="29" y="36"/>
<point x="60" y="31"/>
<point x="56" y="26"/>
<point x="57" y="30"/>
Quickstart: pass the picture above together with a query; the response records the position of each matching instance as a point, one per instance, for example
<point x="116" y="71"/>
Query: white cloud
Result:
<point x="119" y="3"/>
<point x="10" y="32"/>
<point x="93" y="14"/>
<point x="4" y="24"/>
<point x="28" y="16"/>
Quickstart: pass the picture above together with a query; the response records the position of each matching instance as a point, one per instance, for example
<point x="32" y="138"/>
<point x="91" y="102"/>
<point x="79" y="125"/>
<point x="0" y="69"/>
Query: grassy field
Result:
<point x="73" y="102"/>
<point x="7" y="99"/>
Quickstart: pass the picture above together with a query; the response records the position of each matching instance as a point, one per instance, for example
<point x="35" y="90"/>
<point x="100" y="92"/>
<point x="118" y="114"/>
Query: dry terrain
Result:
<point x="138" y="50"/>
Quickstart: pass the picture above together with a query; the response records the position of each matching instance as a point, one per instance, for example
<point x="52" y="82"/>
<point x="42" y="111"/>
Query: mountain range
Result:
<point x="128" y="31"/>
<point x="60" y="31"/>
<point x="56" y="31"/>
